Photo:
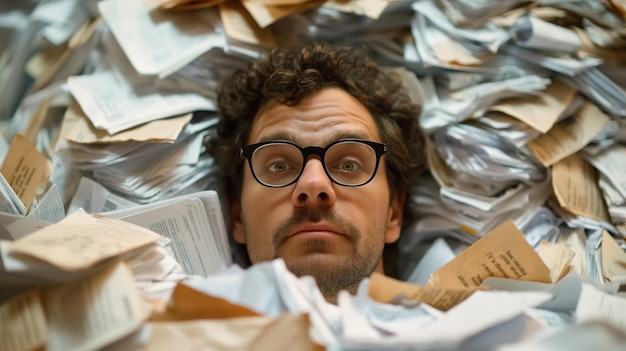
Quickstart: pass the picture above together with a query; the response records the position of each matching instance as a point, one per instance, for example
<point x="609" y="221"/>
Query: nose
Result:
<point x="313" y="188"/>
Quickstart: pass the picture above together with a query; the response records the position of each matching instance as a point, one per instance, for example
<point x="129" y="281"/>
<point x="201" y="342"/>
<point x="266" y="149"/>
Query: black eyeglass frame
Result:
<point x="247" y="151"/>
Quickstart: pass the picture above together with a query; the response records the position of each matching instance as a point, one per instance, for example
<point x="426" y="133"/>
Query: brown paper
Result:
<point x="187" y="303"/>
<point x="266" y="13"/>
<point x="239" y="25"/>
<point x="541" y="111"/>
<point x="286" y="332"/>
<point x="570" y="135"/>
<point x="503" y="253"/>
<point x="575" y="184"/>
<point x="25" y="169"/>
<point x="81" y="241"/>
<point x="558" y="257"/>
<point x="613" y="258"/>
<point x="384" y="289"/>
<point x="23" y="322"/>
<point x="77" y="128"/>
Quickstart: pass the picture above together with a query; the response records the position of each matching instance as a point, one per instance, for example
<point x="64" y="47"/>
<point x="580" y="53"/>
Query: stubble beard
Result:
<point x="332" y="273"/>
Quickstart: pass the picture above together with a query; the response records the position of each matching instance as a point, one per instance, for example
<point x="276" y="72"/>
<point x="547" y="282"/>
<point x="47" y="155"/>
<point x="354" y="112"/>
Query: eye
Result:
<point x="348" y="166"/>
<point x="278" y="166"/>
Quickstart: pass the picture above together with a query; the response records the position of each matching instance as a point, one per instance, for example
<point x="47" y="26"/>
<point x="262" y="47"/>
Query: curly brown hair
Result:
<point x="289" y="74"/>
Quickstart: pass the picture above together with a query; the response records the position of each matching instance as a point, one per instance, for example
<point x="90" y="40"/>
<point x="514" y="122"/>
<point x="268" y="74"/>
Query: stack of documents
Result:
<point x="498" y="292"/>
<point x="194" y="225"/>
<point x="520" y="220"/>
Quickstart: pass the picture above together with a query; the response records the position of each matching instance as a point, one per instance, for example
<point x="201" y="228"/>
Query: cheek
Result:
<point x="261" y="207"/>
<point x="366" y="206"/>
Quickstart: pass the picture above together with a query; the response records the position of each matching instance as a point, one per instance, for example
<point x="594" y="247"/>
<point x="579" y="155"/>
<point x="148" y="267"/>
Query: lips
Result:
<point x="311" y="228"/>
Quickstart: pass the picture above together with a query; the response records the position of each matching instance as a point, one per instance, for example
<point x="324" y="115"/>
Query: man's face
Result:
<point x="332" y="232"/>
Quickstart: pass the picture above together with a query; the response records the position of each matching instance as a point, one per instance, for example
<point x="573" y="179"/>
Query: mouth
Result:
<point x="311" y="229"/>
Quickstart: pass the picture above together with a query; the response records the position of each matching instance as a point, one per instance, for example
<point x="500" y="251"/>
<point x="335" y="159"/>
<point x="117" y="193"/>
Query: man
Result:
<point x="319" y="149"/>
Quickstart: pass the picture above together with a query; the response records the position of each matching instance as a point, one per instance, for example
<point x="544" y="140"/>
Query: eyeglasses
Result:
<point x="347" y="162"/>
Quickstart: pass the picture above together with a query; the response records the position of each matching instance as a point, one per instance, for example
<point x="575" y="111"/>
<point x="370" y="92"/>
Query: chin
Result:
<point x="332" y="273"/>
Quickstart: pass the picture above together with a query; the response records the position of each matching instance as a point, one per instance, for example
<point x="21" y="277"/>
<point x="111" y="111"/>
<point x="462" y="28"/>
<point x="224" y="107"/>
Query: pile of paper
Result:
<point x="105" y="108"/>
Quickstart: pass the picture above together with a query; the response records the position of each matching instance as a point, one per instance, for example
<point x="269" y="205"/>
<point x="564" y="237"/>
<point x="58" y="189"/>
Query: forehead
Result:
<point x="319" y="119"/>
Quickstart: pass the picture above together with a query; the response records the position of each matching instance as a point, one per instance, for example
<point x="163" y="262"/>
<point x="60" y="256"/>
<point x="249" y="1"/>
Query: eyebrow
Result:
<point x="334" y="137"/>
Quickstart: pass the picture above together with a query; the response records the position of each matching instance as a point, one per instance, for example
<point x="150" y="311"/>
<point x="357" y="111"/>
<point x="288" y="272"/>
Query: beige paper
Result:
<point x="503" y="253"/>
<point x="25" y="168"/>
<point x="82" y="240"/>
<point x="187" y="303"/>
<point x="508" y="18"/>
<point x="45" y="64"/>
<point x="37" y="120"/>
<point x="286" y="332"/>
<point x="239" y="25"/>
<point x="94" y="311"/>
<point x="384" y="289"/>
<point x="370" y="8"/>
<point x="265" y="13"/>
<point x="541" y="111"/>
<point x="558" y="257"/>
<point x="453" y="53"/>
<point x="23" y="322"/>
<point x="577" y="242"/>
<point x="547" y="13"/>
<point x="609" y="55"/>
<point x="575" y="184"/>
<point x="77" y="128"/>
<point x="570" y="135"/>
<point x="613" y="258"/>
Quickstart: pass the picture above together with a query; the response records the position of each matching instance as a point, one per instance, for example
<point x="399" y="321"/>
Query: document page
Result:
<point x="92" y="197"/>
<point x="570" y="135"/>
<point x="611" y="163"/>
<point x="575" y="184"/>
<point x="13" y="227"/>
<point x="265" y="14"/>
<point x="25" y="168"/>
<point x="213" y="214"/>
<point x="613" y="259"/>
<point x="558" y="257"/>
<point x="115" y="104"/>
<point x="285" y="332"/>
<point x="23" y="322"/>
<point x="542" y="111"/>
<point x="9" y="201"/>
<point x="188" y="303"/>
<point x="95" y="311"/>
<point x="48" y="207"/>
<point x="239" y="25"/>
<point x="159" y="42"/>
<point x="384" y="289"/>
<point x="78" y="129"/>
<point x="82" y="240"/>
<point x="504" y="253"/>
<point x="186" y="223"/>
<point x="595" y="305"/>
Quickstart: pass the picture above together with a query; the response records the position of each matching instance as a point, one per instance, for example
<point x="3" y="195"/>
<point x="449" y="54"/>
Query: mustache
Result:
<point x="314" y="215"/>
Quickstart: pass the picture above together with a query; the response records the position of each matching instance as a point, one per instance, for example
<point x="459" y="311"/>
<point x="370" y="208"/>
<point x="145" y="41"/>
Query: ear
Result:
<point x="237" y="222"/>
<point x="394" y="222"/>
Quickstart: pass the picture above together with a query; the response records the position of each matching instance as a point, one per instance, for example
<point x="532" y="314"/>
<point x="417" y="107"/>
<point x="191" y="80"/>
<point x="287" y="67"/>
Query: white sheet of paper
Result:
<point x="159" y="42"/>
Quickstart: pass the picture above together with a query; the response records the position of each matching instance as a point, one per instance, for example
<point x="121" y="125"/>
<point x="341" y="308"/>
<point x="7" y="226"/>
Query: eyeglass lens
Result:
<point x="348" y="163"/>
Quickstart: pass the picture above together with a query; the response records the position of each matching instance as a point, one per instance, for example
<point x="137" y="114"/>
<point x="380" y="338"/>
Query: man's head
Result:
<point x="331" y="147"/>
